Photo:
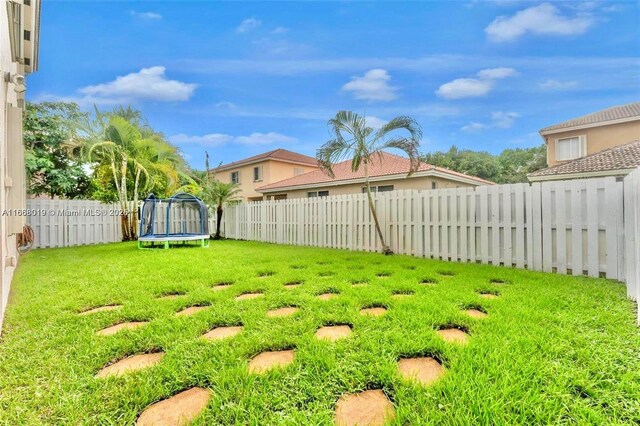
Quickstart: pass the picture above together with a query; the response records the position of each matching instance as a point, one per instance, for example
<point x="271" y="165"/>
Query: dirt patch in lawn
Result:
<point x="475" y="313"/>
<point x="122" y="326"/>
<point x="269" y="360"/>
<point x="283" y="312"/>
<point x="100" y="309"/>
<point x="180" y="409"/>
<point x="454" y="335"/>
<point x="132" y="363"/>
<point x="371" y="408"/>
<point x="424" y="370"/>
<point x="248" y="296"/>
<point x="333" y="332"/>
<point x="191" y="310"/>
<point x="219" y="333"/>
<point x="374" y="311"/>
<point x="327" y="296"/>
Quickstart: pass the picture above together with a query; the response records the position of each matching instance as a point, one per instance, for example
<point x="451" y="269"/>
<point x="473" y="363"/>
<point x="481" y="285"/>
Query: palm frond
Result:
<point x="332" y="152"/>
<point x="409" y="146"/>
<point x="402" y="122"/>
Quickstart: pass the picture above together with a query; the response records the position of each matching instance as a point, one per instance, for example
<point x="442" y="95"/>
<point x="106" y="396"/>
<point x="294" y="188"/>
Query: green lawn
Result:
<point x="552" y="350"/>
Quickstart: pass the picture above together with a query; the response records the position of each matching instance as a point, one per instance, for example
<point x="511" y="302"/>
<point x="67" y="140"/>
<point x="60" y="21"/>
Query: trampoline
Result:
<point x="179" y="219"/>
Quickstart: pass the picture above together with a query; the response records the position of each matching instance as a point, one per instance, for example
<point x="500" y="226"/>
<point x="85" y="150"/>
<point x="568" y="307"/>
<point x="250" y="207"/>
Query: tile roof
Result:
<point x="388" y="164"/>
<point x="620" y="112"/>
<point x="617" y="158"/>
<point x="276" y="154"/>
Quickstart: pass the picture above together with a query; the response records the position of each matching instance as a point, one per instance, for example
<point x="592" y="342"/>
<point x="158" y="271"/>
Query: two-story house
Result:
<point x="603" y="143"/>
<point x="263" y="169"/>
<point x="19" y="33"/>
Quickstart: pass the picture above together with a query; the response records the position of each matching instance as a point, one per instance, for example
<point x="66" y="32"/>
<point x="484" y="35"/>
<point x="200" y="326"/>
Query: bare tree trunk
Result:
<point x="135" y="206"/>
<point x="219" y="212"/>
<point x="385" y="249"/>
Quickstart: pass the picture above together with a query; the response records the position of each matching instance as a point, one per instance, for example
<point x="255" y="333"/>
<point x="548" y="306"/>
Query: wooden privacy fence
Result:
<point x="571" y="227"/>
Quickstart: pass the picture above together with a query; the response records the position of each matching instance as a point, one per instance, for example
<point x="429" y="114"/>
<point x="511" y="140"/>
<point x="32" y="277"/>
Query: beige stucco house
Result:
<point x="387" y="173"/>
<point x="263" y="169"/>
<point x="573" y="145"/>
<point x="19" y="32"/>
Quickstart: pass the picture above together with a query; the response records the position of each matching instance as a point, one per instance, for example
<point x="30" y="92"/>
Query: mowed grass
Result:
<point x="552" y="350"/>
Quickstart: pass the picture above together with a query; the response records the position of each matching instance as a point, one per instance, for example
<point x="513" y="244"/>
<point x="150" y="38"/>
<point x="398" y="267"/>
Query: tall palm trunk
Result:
<point x="219" y="212"/>
<point x="126" y="227"/>
<point x="372" y="208"/>
<point x="136" y="186"/>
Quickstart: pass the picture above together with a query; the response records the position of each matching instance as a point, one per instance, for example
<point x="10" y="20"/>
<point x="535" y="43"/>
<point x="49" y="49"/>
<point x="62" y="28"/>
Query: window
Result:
<point x="323" y="193"/>
<point x="235" y="177"/>
<point x="385" y="188"/>
<point x="434" y="185"/>
<point x="570" y="148"/>
<point x="298" y="171"/>
<point x="15" y="30"/>
<point x="257" y="174"/>
<point x="314" y="194"/>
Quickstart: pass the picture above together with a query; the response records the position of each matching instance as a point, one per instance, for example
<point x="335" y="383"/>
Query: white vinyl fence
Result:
<point x="632" y="235"/>
<point x="64" y="223"/>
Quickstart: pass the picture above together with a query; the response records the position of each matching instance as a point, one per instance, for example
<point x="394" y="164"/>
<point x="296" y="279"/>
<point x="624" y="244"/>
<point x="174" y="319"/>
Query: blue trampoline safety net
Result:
<point x="182" y="215"/>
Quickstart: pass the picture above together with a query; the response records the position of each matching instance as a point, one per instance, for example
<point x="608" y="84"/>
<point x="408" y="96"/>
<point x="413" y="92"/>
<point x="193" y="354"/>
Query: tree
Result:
<point x="354" y="139"/>
<point x="218" y="194"/>
<point x="50" y="169"/>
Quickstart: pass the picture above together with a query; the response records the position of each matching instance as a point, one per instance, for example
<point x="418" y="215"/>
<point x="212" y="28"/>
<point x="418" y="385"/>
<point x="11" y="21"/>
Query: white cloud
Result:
<point x="543" y="19"/>
<point x="145" y="15"/>
<point x="374" y="122"/>
<point x="474" y="87"/>
<point x="217" y="139"/>
<point x="557" y="85"/>
<point x="372" y="86"/>
<point x="474" y="127"/>
<point x="146" y="84"/>
<point x="499" y="119"/>
<point x="248" y="25"/>
<point x="280" y="30"/>
<point x="503" y="120"/>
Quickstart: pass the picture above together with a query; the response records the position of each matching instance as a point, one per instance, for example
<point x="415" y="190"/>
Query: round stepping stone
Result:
<point x="133" y="363"/>
<point x="100" y="309"/>
<point x="220" y="287"/>
<point x="291" y="286"/>
<point x="375" y="312"/>
<point x="401" y="295"/>
<point x="488" y="296"/>
<point x="220" y="333"/>
<point x="122" y="326"/>
<point x="368" y="408"/>
<point x="327" y="296"/>
<point x="362" y="284"/>
<point x="170" y="296"/>
<point x="180" y="409"/>
<point x="428" y="281"/>
<point x="424" y="370"/>
<point x="283" y="312"/>
<point x="191" y="310"/>
<point x="267" y="361"/>
<point x="333" y="332"/>
<point x="248" y="296"/>
<point x="475" y="313"/>
<point x="454" y="335"/>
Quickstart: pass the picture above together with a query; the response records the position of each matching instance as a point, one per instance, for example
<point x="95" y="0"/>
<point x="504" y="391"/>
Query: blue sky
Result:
<point x="240" y="78"/>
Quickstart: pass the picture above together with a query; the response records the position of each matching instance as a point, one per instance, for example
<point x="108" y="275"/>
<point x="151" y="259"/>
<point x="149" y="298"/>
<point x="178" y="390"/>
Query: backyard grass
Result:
<point x="552" y="349"/>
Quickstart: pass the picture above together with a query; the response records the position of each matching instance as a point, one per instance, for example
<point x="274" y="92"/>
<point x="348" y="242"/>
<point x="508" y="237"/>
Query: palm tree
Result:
<point x="216" y="193"/>
<point x="354" y="139"/>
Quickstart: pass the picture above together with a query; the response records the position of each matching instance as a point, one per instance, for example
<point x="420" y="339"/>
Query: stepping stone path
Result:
<point x="248" y="296"/>
<point x="132" y="363"/>
<point x="454" y="335"/>
<point x="361" y="284"/>
<point x="475" y="313"/>
<point x="180" y="409"/>
<point x="428" y="281"/>
<point x="291" y="286"/>
<point x="220" y="333"/>
<point x="100" y="309"/>
<point x="283" y="312"/>
<point x="267" y="361"/>
<point x="401" y="295"/>
<point x="326" y="296"/>
<point x="488" y="296"/>
<point x="375" y="312"/>
<point x="191" y="310"/>
<point x="122" y="326"/>
<point x="368" y="408"/>
<point x="333" y="332"/>
<point x="424" y="370"/>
